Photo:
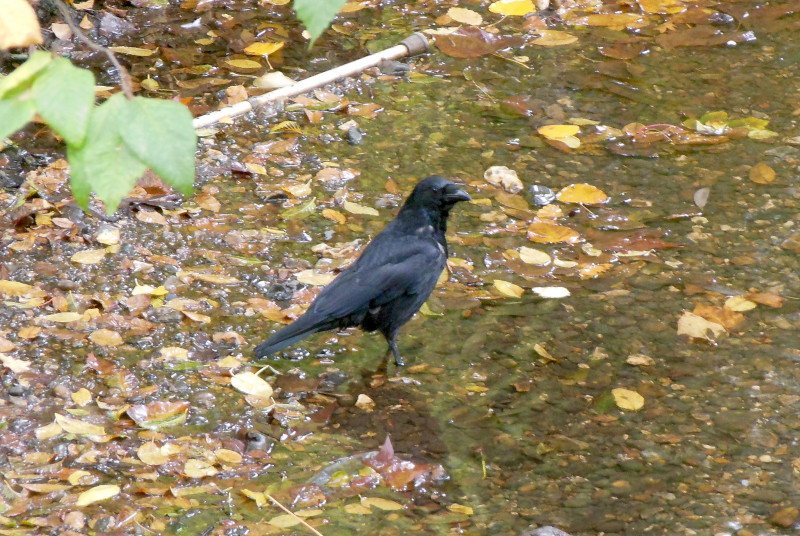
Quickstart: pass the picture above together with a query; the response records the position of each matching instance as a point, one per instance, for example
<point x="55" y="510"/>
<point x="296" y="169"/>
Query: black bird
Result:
<point x="391" y="279"/>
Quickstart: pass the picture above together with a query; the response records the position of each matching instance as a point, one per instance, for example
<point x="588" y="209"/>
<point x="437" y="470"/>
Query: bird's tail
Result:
<point x="287" y="336"/>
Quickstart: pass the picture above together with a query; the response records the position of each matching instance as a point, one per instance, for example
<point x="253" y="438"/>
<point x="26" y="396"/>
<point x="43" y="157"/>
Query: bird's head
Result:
<point x="437" y="193"/>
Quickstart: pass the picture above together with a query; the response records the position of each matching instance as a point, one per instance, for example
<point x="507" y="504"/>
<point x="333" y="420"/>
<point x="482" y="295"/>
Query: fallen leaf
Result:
<point x="381" y="504"/>
<point x="504" y="178"/>
<point x="701" y="197"/>
<point x="105" y="337"/>
<point x="534" y="256"/>
<point x="461" y="509"/>
<point x="699" y="328"/>
<point x="555" y="132"/>
<point x="585" y="194"/>
<point x="761" y="173"/>
<point x="63" y="317"/>
<point x="284" y="521"/>
<point x="78" y="427"/>
<point x="243" y="65"/>
<point x="89" y="256"/>
<point x="550" y="233"/>
<point x="465" y="16"/>
<point x="134" y="51"/>
<point x="355" y="208"/>
<point x="264" y="49"/>
<point x="15" y="365"/>
<point x="194" y="468"/>
<point x="640" y="360"/>
<point x="152" y="454"/>
<point x="627" y="399"/>
<point x="19" y="26"/>
<point x="96" y="494"/>
<point x="740" y="304"/>
<point x="508" y="289"/>
<point x="554" y="38"/>
<point x="313" y="277"/>
<point x="251" y="384"/>
<point x="514" y="8"/>
<point x="81" y="397"/>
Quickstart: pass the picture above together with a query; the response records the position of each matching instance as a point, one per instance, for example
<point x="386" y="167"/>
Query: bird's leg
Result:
<point x="398" y="359"/>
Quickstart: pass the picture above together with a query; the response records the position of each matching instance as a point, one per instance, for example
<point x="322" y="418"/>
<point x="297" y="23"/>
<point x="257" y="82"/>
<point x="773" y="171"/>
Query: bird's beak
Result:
<point x="457" y="195"/>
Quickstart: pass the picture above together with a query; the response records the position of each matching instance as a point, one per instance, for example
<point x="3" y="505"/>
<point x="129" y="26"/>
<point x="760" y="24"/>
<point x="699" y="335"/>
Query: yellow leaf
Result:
<point x="16" y="365"/>
<point x="355" y="208"/>
<point x="81" y="397"/>
<point x="96" y="494"/>
<point x="230" y="457"/>
<point x="381" y="504"/>
<point x="465" y="16"/>
<point x="105" y="337"/>
<point x="284" y="521"/>
<point x="739" y="304"/>
<point x="508" y="289"/>
<point x="627" y="399"/>
<point x="554" y="38"/>
<point x="534" y="256"/>
<point x="48" y="431"/>
<point x="616" y="20"/>
<point x="357" y="508"/>
<point x="134" y="51"/>
<point x="243" y="64"/>
<point x="257" y="496"/>
<point x="264" y="49"/>
<point x="585" y="194"/>
<point x="89" y="256"/>
<point x="334" y="215"/>
<point x="555" y="132"/>
<point x="13" y="288"/>
<point x="63" y="317"/>
<point x="19" y="26"/>
<point x="517" y="8"/>
<point x="698" y="327"/>
<point x="197" y="317"/>
<point x="286" y="126"/>
<point x="761" y="173"/>
<point x="194" y="468"/>
<point x="251" y="384"/>
<point x="152" y="454"/>
<point x="218" y="279"/>
<point x="550" y="233"/>
<point x="78" y="427"/>
<point x="460" y="509"/>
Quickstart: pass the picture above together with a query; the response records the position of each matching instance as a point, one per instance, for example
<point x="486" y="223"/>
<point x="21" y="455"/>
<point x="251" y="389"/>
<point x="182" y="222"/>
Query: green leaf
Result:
<point x="14" y="113"/>
<point x="317" y="15"/>
<point x="25" y="73"/>
<point x="64" y="96"/>
<point x="161" y="135"/>
<point x="103" y="163"/>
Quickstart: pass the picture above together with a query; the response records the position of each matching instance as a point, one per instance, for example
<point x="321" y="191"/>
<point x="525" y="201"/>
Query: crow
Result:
<point x="392" y="278"/>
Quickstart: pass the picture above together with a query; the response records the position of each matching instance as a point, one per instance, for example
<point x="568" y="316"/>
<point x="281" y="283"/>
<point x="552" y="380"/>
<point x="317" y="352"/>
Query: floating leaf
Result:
<point x="284" y="521"/>
<point x="334" y="215"/>
<point x="89" y="256"/>
<point x="470" y="42"/>
<point x="582" y="193"/>
<point x="740" y="304"/>
<point x="761" y="173"/>
<point x="550" y="233"/>
<point x="159" y="414"/>
<point x="465" y="16"/>
<point x="355" y="208"/>
<point x="381" y="504"/>
<point x="461" y="509"/>
<point x="65" y="317"/>
<point x="699" y="328"/>
<point x="14" y="288"/>
<point x="194" y="468"/>
<point x="152" y="454"/>
<point x="627" y="399"/>
<point x="105" y="337"/>
<point x="555" y="132"/>
<point x="134" y="51"/>
<point x="534" y="256"/>
<point x="79" y="427"/>
<point x="264" y="49"/>
<point x="515" y="8"/>
<point x="96" y="494"/>
<point x="251" y="384"/>
<point x="243" y="65"/>
<point x="554" y="38"/>
<point x="508" y="289"/>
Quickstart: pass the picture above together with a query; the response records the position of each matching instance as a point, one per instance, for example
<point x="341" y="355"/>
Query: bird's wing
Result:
<point x="406" y="265"/>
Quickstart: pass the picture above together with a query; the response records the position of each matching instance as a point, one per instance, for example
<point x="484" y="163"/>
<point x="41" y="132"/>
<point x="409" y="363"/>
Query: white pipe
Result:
<point x="414" y="44"/>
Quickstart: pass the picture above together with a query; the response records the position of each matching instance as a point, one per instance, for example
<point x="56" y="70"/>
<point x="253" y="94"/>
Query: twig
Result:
<point x="300" y="519"/>
<point x="124" y="77"/>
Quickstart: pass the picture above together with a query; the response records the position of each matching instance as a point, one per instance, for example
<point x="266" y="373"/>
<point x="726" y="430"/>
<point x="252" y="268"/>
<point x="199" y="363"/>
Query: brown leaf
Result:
<point x="471" y="42"/>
